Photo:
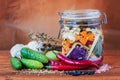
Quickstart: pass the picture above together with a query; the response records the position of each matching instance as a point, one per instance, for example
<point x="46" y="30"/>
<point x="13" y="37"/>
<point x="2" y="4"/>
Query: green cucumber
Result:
<point x="31" y="54"/>
<point x="32" y="64"/>
<point x="16" y="64"/>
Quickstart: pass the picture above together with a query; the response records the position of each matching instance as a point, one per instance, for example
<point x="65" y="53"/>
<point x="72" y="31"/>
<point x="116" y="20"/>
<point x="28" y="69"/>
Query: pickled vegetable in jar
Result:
<point x="81" y="33"/>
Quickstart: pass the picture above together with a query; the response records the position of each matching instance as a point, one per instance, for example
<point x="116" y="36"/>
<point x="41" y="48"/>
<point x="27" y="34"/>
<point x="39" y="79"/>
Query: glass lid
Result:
<point x="80" y="14"/>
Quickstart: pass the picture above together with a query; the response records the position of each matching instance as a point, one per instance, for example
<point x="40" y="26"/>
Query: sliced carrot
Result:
<point x="65" y="43"/>
<point x="66" y="46"/>
<point x="90" y="36"/>
<point x="83" y="40"/>
<point x="77" y="37"/>
<point x="83" y="33"/>
<point x="65" y="50"/>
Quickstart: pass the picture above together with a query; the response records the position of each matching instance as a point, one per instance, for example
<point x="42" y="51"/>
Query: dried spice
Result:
<point x="49" y="42"/>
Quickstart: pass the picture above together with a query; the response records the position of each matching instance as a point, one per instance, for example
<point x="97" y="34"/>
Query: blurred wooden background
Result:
<point x="19" y="17"/>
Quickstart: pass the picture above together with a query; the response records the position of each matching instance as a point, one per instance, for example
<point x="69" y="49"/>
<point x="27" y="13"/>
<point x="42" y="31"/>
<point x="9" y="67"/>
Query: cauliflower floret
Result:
<point x="34" y="45"/>
<point x="65" y="29"/>
<point x="75" y="30"/>
<point x="15" y="50"/>
<point x="94" y="31"/>
<point x="68" y="35"/>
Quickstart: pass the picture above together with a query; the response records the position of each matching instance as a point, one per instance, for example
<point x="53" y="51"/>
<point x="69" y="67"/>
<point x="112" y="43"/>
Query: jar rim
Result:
<point x="80" y="14"/>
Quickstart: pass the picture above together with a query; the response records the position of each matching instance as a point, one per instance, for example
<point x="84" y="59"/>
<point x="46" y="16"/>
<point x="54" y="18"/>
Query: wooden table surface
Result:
<point x="111" y="57"/>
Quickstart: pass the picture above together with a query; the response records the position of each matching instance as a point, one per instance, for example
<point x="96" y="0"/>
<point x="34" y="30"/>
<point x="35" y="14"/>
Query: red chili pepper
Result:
<point x="76" y="62"/>
<point x="53" y="63"/>
<point x="66" y="67"/>
<point x="56" y="63"/>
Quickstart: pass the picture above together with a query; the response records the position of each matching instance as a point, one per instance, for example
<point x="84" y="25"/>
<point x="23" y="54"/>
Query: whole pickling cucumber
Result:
<point x="31" y="54"/>
<point x="32" y="64"/>
<point x="16" y="64"/>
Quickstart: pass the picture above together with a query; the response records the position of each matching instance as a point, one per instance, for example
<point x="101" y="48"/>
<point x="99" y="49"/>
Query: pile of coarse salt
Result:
<point x="103" y="68"/>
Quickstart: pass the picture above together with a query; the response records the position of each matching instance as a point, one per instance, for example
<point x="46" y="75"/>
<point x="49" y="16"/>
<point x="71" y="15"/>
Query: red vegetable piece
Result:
<point x="53" y="63"/>
<point x="89" y="42"/>
<point x="66" y="67"/>
<point x="77" y="62"/>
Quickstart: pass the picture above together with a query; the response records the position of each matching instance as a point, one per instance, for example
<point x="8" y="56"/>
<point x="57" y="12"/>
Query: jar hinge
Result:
<point x="104" y="21"/>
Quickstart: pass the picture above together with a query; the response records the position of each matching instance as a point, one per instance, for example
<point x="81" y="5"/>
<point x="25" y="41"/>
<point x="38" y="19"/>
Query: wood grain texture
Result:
<point x="19" y="17"/>
<point x="110" y="56"/>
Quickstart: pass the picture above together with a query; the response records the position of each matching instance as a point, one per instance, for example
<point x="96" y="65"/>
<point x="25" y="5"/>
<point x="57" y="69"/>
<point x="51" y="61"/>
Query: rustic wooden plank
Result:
<point x="111" y="57"/>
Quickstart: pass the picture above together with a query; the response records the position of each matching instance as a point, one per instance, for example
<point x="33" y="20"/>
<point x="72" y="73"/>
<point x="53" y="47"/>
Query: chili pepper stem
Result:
<point x="48" y="67"/>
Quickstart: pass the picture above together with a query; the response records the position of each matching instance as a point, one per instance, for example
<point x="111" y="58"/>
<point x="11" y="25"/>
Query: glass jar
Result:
<point x="81" y="33"/>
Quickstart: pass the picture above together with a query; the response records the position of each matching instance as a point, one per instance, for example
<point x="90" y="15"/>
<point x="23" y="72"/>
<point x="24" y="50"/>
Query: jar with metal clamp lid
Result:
<point x="81" y="33"/>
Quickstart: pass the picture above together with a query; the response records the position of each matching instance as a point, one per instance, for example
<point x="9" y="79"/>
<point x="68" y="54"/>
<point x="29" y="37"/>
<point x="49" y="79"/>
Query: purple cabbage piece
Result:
<point x="77" y="53"/>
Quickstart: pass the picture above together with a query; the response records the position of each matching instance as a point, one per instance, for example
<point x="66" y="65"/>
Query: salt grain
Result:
<point x="103" y="68"/>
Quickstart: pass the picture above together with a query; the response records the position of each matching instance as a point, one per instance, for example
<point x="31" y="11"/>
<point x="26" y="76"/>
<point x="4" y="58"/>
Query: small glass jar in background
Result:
<point x="81" y="33"/>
